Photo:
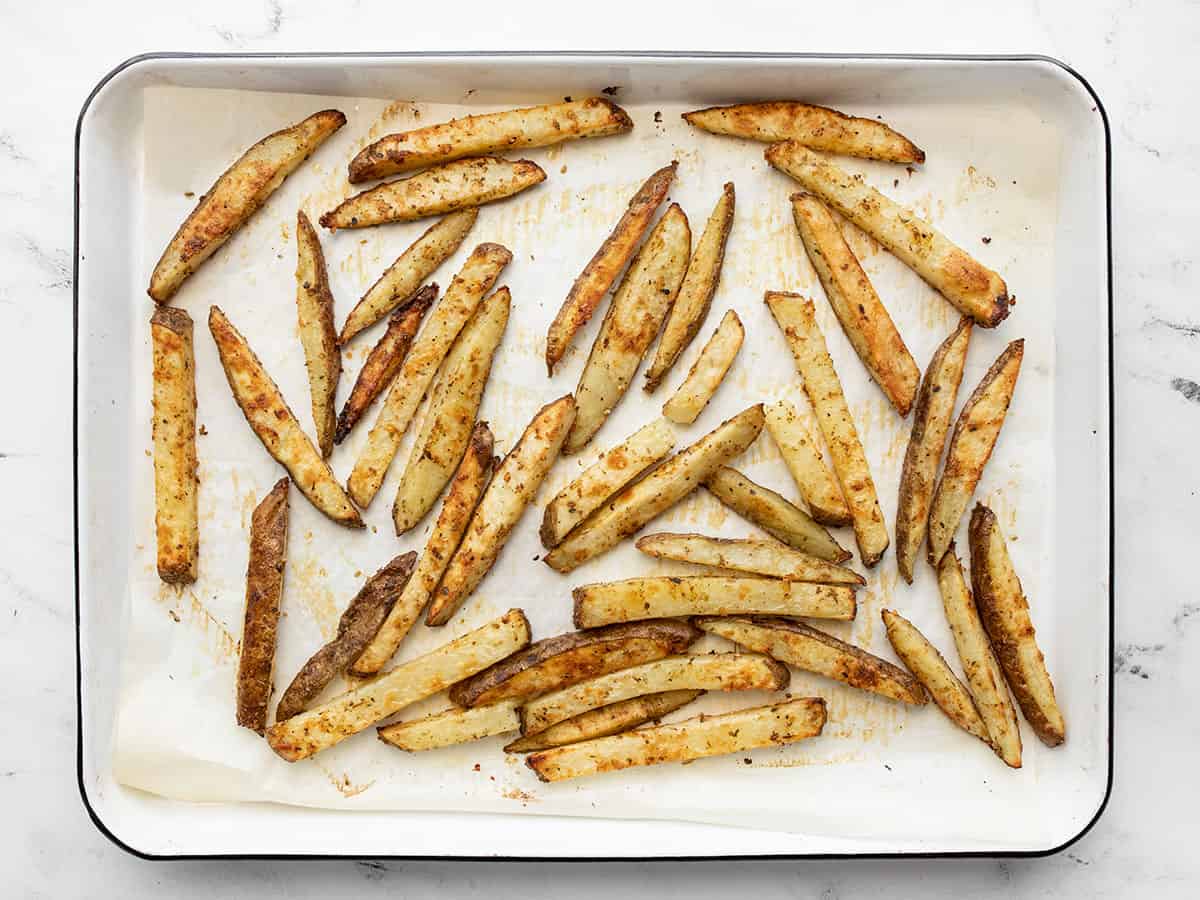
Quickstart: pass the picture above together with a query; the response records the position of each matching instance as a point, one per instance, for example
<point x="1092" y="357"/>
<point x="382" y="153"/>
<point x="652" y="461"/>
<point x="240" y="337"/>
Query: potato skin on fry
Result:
<point x="611" y="719"/>
<point x="318" y="335"/>
<point x="237" y="195"/>
<point x="708" y="371"/>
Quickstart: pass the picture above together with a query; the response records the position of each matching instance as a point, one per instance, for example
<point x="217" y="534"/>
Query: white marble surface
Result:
<point x="1137" y="55"/>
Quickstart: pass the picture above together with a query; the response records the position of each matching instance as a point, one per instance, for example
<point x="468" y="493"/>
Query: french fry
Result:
<point x="512" y="489"/>
<point x="708" y="671"/>
<point x="611" y="719"/>
<point x="636" y="313"/>
<point x="176" y="520"/>
<point x="659" y="597"/>
<point x="971" y="444"/>
<point x="318" y="334"/>
<point x="237" y="195"/>
<point x="444" y="189"/>
<point x="452" y="726"/>
<point x="973" y="288"/>
<point x="275" y="424"/>
<point x="466" y="488"/>
<point x="824" y="390"/>
<point x="816" y="127"/>
<point x="985" y="680"/>
<point x="861" y="313"/>
<point x="802" y="454"/>
<point x="696" y="293"/>
<point x="264" y="587"/>
<point x="346" y="715"/>
<point x="754" y="557"/>
<point x="398" y="286"/>
<point x="603" y="479"/>
<point x="453" y="404"/>
<point x="813" y="650"/>
<point x="1004" y="610"/>
<point x="600" y="272"/>
<point x="466" y="292"/>
<point x="638" y="503"/>
<point x="734" y="732"/>
<point x="707" y="372"/>
<point x="774" y="514"/>
<point x="498" y="132"/>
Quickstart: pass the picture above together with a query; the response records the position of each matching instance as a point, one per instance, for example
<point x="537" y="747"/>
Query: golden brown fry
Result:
<point x="707" y="372"/>
<point x="237" y="195"/>
<point x="1004" y="610"/>
<point x="452" y="726"/>
<point x="176" y="520"/>
<point x="611" y="719"/>
<point x="275" y="424"/>
<point x="264" y="587"/>
<point x="318" y="335"/>
<point x="755" y="557"/>
<point x="600" y="272"/>
<point x="802" y="454"/>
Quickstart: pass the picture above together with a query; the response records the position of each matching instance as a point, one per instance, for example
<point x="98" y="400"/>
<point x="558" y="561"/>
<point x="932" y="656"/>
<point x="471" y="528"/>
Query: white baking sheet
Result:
<point x="175" y="732"/>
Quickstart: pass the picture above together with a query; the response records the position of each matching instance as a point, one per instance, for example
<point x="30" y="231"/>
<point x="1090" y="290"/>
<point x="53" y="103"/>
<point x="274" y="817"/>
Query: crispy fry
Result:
<point x="275" y="424"/>
<point x="264" y="587"/>
<point x="633" y="319"/>
<point x="512" y="489"/>
<point x="498" y="132"/>
<point x="452" y="726"/>
<point x="638" y="503"/>
<point x="237" y="195"/>
<point x="802" y="454"/>
<point x="973" y="288"/>
<point x="755" y="557"/>
<point x="696" y="293"/>
<point x="600" y="272"/>
<point x="707" y="372"/>
<point x="318" y="335"/>
<point x="611" y="719"/>
<point x="176" y="519"/>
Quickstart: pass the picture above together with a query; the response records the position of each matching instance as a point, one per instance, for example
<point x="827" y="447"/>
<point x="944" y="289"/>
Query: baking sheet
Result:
<point x="175" y="733"/>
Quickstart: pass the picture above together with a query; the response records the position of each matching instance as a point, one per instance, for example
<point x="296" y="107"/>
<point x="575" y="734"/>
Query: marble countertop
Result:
<point x="1134" y="55"/>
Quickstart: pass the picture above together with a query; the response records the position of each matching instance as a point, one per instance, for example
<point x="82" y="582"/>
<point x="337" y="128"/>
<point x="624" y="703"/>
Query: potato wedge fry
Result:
<point x="600" y="272"/>
<point x="513" y="488"/>
<point x="1004" y="610"/>
<point x="860" y="312"/>
<point x="638" y="503"/>
<point x="318" y="334"/>
<point x="264" y="587"/>
<point x="707" y="671"/>
<point x="400" y="283"/>
<point x="774" y="514"/>
<point x="566" y="659"/>
<point x="605" y="477"/>
<point x="707" y="372"/>
<point x="176" y="519"/>
<point x="973" y="288"/>
<point x="931" y="424"/>
<point x="813" y="650"/>
<point x="435" y="192"/>
<point x="816" y="127"/>
<point x="466" y="488"/>
<point x="357" y="626"/>
<point x="449" y="317"/>
<point x="755" y="557"/>
<point x="237" y="195"/>
<point x="802" y="454"/>
<point x="453" y="404"/>
<point x="696" y="293"/>
<point x="733" y="732"/>
<point x="273" y="421"/>
<point x="452" y="726"/>
<point x="498" y="132"/>
<point x="923" y="659"/>
<point x="636" y="313"/>
<point x="659" y="597"/>
<point x="985" y="680"/>
<point x="384" y="361"/>
<point x="611" y="719"/>
<point x="347" y="714"/>
<point x="824" y="391"/>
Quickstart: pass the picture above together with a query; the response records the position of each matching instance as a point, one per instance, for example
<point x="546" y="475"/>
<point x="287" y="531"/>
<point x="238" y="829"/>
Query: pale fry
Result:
<point x="598" y="275"/>
<point x="275" y="424"/>
<point x="176" y="519"/>
<point x="237" y="195"/>
<point x="318" y="335"/>
<point x="611" y="719"/>
<point x="707" y="372"/>
<point x="824" y="390"/>
<point x="802" y="454"/>
<point x="452" y="726"/>
<point x="734" y="732"/>
<point x="973" y="288"/>
<point x="754" y="557"/>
